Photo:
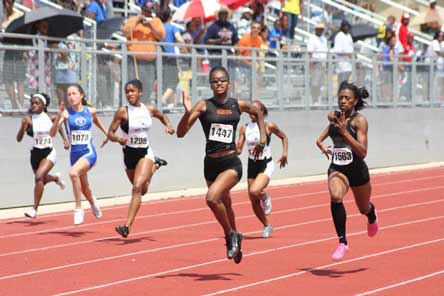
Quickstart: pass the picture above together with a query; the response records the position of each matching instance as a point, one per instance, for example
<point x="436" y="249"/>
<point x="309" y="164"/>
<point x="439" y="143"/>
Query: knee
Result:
<point x="211" y="201"/>
<point x="137" y="188"/>
<point x="254" y="193"/>
<point x="73" y="175"/>
<point x="39" y="178"/>
<point x="336" y="197"/>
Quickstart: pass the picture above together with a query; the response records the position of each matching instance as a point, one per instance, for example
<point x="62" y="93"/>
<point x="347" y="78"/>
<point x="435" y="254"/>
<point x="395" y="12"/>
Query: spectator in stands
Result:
<point x="251" y="39"/>
<point x="317" y="49"/>
<point x="14" y="65"/>
<point x="169" y="63"/>
<point x="276" y="35"/>
<point x="284" y="27"/>
<point x="184" y="65"/>
<point x="221" y="32"/>
<point x="389" y="55"/>
<point x="344" y="49"/>
<point x="292" y="8"/>
<point x="407" y="56"/>
<point x="144" y="27"/>
<point x="435" y="53"/>
<point x="404" y="30"/>
<point x="40" y="28"/>
<point x="66" y="62"/>
<point x="389" y="25"/>
<point x="258" y="11"/>
<point x="244" y="25"/>
<point x="197" y="30"/>
<point x="265" y="46"/>
<point x="96" y="10"/>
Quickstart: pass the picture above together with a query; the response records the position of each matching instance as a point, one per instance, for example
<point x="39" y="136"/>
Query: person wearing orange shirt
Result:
<point x="149" y="28"/>
<point x="252" y="39"/>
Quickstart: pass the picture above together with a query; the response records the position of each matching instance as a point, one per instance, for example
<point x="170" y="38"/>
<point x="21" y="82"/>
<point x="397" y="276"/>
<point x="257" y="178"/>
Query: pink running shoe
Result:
<point x="339" y="252"/>
<point x="372" y="229"/>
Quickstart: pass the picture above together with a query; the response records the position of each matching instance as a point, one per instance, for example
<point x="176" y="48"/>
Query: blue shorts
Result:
<point x="89" y="154"/>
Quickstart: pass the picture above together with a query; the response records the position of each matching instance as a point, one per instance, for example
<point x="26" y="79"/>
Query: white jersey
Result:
<point x="41" y="124"/>
<point x="139" y="124"/>
<point x="252" y="137"/>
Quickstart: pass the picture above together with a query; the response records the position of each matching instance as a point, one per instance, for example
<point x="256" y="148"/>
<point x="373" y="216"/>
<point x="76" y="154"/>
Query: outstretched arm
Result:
<point x="241" y="140"/>
<point x="254" y="109"/>
<point x="26" y="121"/>
<point x="99" y="124"/>
<point x="162" y="117"/>
<point x="278" y="132"/>
<point x="58" y="120"/>
<point x="190" y="116"/>
<point x="118" y="116"/>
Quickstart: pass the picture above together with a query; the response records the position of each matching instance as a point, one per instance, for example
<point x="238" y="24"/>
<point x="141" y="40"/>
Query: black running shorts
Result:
<point x="215" y="166"/>
<point x="37" y="155"/>
<point x="356" y="173"/>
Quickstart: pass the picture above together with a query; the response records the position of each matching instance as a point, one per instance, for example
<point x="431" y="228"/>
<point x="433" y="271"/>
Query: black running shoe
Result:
<point x="122" y="230"/>
<point x="158" y="162"/>
<point x="232" y="244"/>
<point x="238" y="258"/>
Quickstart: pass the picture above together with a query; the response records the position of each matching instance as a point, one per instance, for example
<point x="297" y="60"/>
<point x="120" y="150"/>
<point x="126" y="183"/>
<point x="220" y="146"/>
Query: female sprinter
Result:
<point x="135" y="120"/>
<point x="261" y="169"/>
<point x="348" y="131"/>
<point x="79" y="118"/>
<point x="219" y="117"/>
<point x="43" y="154"/>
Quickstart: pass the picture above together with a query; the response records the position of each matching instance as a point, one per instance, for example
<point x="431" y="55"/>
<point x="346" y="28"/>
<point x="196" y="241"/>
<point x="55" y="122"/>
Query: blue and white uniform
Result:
<point x="262" y="164"/>
<point x="135" y="131"/>
<point x="42" y="145"/>
<point x="79" y="132"/>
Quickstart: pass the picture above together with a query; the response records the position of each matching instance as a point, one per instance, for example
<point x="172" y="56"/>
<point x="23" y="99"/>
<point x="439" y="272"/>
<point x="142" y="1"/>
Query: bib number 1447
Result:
<point x="221" y="133"/>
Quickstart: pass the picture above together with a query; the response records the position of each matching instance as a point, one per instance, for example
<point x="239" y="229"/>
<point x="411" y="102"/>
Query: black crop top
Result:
<point x="219" y="123"/>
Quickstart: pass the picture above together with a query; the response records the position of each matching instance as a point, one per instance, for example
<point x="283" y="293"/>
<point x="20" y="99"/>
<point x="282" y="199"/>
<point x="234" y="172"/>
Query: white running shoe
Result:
<point x="59" y="181"/>
<point x="32" y="213"/>
<point x="79" y="215"/>
<point x="267" y="231"/>
<point x="96" y="210"/>
<point x="267" y="204"/>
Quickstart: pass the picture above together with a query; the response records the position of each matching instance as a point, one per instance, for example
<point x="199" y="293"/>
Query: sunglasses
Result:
<point x="221" y="79"/>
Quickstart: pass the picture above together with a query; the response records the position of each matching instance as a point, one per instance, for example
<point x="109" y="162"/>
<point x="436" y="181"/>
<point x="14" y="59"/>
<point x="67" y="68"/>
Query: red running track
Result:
<point x="176" y="247"/>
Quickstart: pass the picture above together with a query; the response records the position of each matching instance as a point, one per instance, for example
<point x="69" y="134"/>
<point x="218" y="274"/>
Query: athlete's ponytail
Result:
<point x="360" y="94"/>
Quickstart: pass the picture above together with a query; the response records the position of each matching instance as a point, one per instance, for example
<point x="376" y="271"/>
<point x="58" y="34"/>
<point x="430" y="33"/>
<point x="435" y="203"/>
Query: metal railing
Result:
<point x="291" y="79"/>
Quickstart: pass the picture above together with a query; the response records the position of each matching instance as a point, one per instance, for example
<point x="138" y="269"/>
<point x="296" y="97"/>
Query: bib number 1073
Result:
<point x="221" y="133"/>
<point x="80" y="137"/>
<point x="342" y="156"/>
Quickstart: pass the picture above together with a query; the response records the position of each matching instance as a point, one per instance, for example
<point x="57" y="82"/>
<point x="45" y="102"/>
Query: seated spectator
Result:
<point x="96" y="10"/>
<point x="276" y="34"/>
<point x="244" y="25"/>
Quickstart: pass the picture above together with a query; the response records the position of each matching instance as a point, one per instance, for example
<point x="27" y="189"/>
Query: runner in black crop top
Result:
<point x="348" y="131"/>
<point x="219" y="117"/>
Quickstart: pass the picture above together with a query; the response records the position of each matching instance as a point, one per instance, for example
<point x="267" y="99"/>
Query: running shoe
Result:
<point x="232" y="243"/>
<point x="59" y="181"/>
<point x="372" y="228"/>
<point x="122" y="230"/>
<point x="238" y="258"/>
<point x="79" y="215"/>
<point x="158" y="162"/>
<point x="339" y="252"/>
<point x="96" y="210"/>
<point x="267" y="231"/>
<point x="32" y="213"/>
<point x="266" y="204"/>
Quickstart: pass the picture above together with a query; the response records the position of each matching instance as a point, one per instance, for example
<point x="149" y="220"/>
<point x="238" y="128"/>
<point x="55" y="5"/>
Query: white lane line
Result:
<point x="208" y="240"/>
<point x="209" y="222"/>
<point x="192" y="210"/>
<point x="420" y="278"/>
<point x="285" y="276"/>
<point x="205" y="208"/>
<point x="268" y="251"/>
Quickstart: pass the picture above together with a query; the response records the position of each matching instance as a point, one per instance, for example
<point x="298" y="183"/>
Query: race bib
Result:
<point x="43" y="141"/>
<point x="221" y="133"/>
<point x="342" y="156"/>
<point x="80" y="137"/>
<point x="138" y="142"/>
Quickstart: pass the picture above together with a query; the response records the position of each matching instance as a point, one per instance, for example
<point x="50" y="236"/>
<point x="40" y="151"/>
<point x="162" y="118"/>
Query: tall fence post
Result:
<point x="194" y="77"/>
<point x="253" y="83"/>
<point x="124" y="71"/>
<point x="159" y="72"/>
<point x="41" y="65"/>
<point x="280" y="80"/>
